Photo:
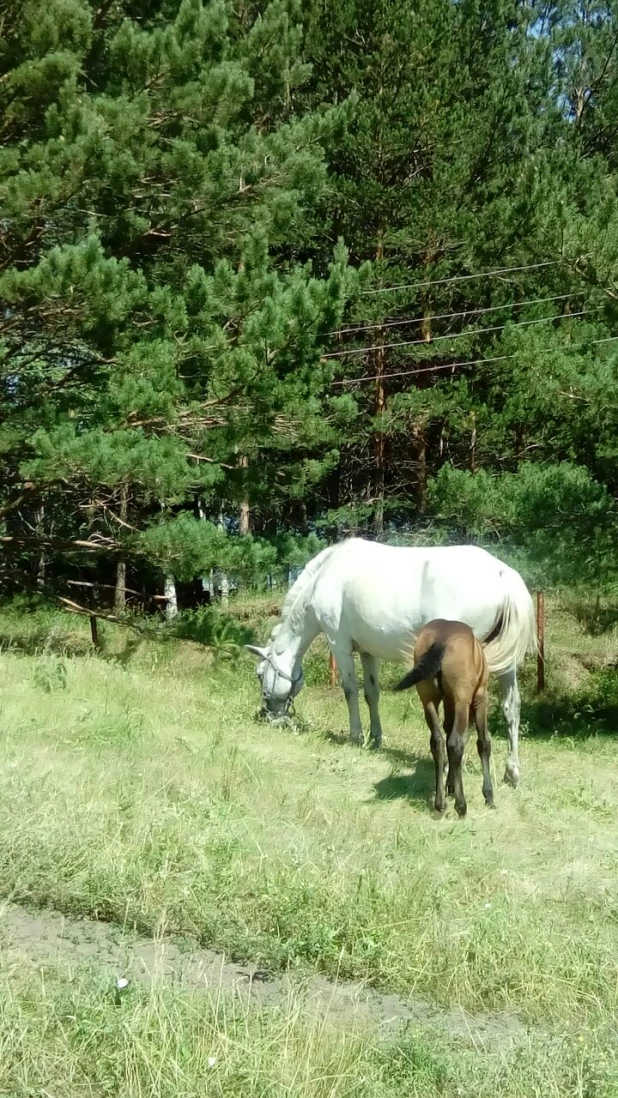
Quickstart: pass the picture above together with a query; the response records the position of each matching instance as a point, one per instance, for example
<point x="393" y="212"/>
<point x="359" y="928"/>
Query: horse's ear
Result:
<point x="255" y="651"/>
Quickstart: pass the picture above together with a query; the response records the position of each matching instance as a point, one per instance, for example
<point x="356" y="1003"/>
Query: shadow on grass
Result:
<point x="595" y="619"/>
<point x="44" y="640"/>
<point x="550" y="718"/>
<point x="396" y="754"/>
<point x="419" y="785"/>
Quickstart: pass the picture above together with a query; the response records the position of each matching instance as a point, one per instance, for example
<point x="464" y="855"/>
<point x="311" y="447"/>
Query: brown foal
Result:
<point x="450" y="667"/>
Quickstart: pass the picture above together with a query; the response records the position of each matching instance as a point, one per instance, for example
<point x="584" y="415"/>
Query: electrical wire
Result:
<point x="404" y="321"/>
<point x="455" y="365"/>
<point x="460" y="278"/>
<point x="455" y="335"/>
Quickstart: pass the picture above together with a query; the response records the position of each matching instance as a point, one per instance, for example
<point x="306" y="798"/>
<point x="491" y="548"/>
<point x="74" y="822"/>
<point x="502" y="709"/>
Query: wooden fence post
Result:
<point x="94" y="632"/>
<point x="333" y="670"/>
<point x="540" y="633"/>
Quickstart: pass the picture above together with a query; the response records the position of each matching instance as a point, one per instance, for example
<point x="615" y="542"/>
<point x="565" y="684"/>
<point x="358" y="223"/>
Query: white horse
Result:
<point x="373" y="599"/>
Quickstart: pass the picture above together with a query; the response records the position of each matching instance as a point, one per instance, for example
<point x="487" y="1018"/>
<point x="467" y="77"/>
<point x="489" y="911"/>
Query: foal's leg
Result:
<point x="436" y="744"/>
<point x="347" y="673"/>
<point x="449" y="720"/>
<point x="455" y="746"/>
<point x="511" y="707"/>
<point x="372" y="697"/>
<point x="483" y="745"/>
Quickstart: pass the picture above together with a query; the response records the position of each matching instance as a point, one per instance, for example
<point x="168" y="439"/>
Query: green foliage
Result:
<point x="50" y="675"/>
<point x="565" y="520"/>
<point x="155" y="325"/>
<point x="214" y="629"/>
<point x="194" y="197"/>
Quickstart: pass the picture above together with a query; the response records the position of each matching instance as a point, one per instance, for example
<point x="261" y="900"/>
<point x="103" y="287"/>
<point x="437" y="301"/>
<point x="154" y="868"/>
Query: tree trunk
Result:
<point x="419" y="445"/>
<point x="171" y="606"/>
<point x="378" y="514"/>
<point x="206" y="581"/>
<point x="42" y="561"/>
<point x="472" y="450"/>
<point x="120" y="597"/>
<point x="224" y="589"/>
<point x="419" y="438"/>
<point x="243" y="510"/>
<point x="224" y="583"/>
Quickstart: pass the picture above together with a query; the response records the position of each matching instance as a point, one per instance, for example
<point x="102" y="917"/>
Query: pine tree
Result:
<point x="155" y="190"/>
<point x="450" y="101"/>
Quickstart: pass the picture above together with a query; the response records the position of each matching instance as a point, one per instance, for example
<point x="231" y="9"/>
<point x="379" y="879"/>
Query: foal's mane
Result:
<point x="297" y="597"/>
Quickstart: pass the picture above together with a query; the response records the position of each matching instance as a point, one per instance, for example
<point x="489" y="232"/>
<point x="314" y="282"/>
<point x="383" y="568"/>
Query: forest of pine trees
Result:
<point x="276" y="273"/>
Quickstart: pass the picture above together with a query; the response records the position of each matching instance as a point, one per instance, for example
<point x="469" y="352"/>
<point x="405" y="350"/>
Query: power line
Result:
<point x="460" y="278"/>
<point x="393" y="323"/>
<point x="455" y="365"/>
<point x="454" y="335"/>
<point x="421" y="370"/>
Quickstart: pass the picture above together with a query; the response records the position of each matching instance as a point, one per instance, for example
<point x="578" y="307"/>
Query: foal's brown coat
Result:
<point x="450" y="667"/>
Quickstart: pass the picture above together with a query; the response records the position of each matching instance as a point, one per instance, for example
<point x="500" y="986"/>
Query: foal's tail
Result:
<point x="515" y="631"/>
<point x="427" y="667"/>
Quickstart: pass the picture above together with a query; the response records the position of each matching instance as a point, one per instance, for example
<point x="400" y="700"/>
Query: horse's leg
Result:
<point x="436" y="744"/>
<point x="347" y="672"/>
<point x="455" y="746"/>
<point x="449" y="721"/>
<point x="372" y="697"/>
<point x="483" y="745"/>
<point x="511" y="707"/>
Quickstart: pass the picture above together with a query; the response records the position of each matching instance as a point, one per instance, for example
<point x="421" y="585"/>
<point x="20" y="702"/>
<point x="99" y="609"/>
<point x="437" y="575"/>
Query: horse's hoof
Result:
<point x="375" y="745"/>
<point x="461" y="810"/>
<point x="440" y="807"/>
<point x="511" y="775"/>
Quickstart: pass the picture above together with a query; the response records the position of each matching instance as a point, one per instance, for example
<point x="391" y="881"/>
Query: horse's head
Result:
<point x="279" y="688"/>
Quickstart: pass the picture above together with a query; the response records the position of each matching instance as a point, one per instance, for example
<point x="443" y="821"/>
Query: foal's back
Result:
<point x="462" y="674"/>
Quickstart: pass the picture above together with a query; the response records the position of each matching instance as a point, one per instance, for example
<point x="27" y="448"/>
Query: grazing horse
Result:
<point x="372" y="599"/>
<point x="450" y="667"/>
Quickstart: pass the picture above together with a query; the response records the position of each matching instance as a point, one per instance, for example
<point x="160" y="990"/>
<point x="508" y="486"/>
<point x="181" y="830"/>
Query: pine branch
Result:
<point x="43" y="541"/>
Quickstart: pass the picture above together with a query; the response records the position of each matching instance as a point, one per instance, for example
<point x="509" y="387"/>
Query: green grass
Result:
<point x="63" y="1034"/>
<point x="140" y="789"/>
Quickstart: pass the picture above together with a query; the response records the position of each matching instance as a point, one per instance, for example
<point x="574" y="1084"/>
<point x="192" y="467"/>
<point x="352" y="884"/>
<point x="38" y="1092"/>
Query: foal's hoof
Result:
<point x="511" y="775"/>
<point x="375" y="745"/>
<point x="439" y="806"/>
<point x="461" y="810"/>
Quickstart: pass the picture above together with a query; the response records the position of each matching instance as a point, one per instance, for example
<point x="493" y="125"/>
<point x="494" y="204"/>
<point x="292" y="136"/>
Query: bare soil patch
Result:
<point x="47" y="937"/>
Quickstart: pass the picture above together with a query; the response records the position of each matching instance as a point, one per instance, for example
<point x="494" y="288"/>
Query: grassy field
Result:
<point x="137" y="787"/>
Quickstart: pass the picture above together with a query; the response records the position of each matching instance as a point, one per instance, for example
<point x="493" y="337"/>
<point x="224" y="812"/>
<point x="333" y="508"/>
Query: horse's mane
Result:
<point x="296" y="598"/>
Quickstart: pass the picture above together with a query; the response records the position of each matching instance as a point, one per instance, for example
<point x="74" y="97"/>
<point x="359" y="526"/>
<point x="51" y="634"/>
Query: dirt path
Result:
<point x="45" y="937"/>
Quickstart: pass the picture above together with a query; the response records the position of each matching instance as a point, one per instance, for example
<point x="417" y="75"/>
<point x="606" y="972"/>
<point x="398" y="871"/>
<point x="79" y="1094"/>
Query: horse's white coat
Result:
<point x="374" y="599"/>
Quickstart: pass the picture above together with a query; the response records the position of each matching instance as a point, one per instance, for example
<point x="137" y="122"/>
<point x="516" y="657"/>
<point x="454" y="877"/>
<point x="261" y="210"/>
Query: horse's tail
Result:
<point x="427" y="667"/>
<point x="515" y="631"/>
